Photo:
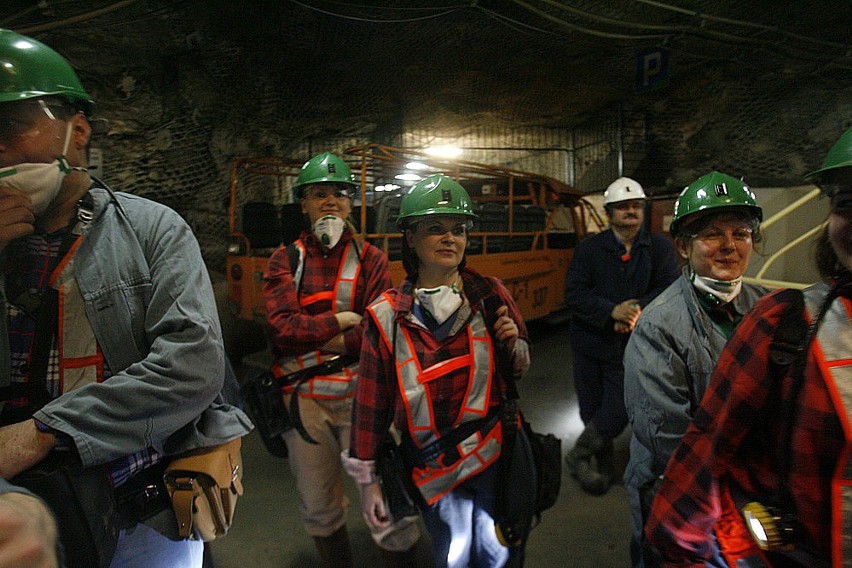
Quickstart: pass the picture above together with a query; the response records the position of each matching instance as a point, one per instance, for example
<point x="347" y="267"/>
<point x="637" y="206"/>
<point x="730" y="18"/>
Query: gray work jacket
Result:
<point x="667" y="366"/>
<point x="150" y="303"/>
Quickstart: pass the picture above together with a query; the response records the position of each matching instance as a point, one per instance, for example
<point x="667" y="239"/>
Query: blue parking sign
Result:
<point x="652" y="69"/>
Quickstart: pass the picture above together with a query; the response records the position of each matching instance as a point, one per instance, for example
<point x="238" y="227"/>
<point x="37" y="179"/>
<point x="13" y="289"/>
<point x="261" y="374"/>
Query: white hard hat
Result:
<point x="623" y="189"/>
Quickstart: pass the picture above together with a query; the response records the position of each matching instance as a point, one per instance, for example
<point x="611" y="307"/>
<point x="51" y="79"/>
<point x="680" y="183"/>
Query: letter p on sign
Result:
<point x="652" y="69"/>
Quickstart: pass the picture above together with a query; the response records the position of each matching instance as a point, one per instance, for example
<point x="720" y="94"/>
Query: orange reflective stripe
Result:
<point x="54" y="277"/>
<point x="444" y="368"/>
<point x="314" y="298"/>
<point x="831" y="349"/>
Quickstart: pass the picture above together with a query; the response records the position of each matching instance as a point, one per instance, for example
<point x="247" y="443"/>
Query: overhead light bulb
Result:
<point x="444" y="151"/>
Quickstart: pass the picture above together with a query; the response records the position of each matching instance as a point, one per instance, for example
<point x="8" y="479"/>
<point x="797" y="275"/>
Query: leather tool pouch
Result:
<point x="204" y="486"/>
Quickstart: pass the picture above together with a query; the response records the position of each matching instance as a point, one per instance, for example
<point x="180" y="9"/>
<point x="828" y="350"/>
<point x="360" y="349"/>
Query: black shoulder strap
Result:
<point x="788" y="342"/>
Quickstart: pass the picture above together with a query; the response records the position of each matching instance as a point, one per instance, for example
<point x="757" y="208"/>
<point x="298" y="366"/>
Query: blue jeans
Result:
<point x="143" y="546"/>
<point x="461" y="526"/>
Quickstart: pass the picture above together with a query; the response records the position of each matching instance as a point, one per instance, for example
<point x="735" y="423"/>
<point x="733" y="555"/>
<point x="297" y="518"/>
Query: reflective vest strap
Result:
<point x="434" y="483"/>
<point x="297" y="270"/>
<point x="286" y="365"/>
<point x="347" y="276"/>
<point x="318" y="297"/>
<point x="832" y="347"/>
<point x="81" y="361"/>
<point x="382" y="310"/>
<point x="330" y="387"/>
<point x="481" y="373"/>
<point x="418" y="404"/>
<point x="420" y="423"/>
<point x="444" y="367"/>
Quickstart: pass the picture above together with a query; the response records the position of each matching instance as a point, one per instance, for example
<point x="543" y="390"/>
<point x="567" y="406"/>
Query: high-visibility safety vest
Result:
<point x="342" y="383"/>
<point x="833" y="351"/>
<point x="477" y="451"/>
<point x="80" y="360"/>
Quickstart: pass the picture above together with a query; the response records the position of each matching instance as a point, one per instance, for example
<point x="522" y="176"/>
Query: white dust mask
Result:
<point x="40" y="181"/>
<point x="724" y="290"/>
<point x="329" y="229"/>
<point x="441" y="302"/>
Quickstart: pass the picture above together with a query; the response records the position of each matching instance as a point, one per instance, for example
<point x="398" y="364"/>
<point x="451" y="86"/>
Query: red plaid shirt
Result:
<point x="735" y="438"/>
<point x="377" y="399"/>
<point x="296" y="330"/>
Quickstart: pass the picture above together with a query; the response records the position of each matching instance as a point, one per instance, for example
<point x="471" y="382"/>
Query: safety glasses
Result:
<point x="20" y="118"/>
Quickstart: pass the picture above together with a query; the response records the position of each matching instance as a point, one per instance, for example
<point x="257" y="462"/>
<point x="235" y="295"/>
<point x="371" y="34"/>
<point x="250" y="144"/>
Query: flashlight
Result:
<point x="771" y="528"/>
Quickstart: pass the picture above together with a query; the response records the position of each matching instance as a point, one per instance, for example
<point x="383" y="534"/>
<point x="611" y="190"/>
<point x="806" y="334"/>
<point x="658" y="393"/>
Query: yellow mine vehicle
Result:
<point x="528" y="223"/>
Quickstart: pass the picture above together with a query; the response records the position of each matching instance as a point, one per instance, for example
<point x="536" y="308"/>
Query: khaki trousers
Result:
<point x="320" y="476"/>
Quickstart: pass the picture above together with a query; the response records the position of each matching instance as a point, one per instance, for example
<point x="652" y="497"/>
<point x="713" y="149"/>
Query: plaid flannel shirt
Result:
<point x="377" y="399"/>
<point x="296" y="330"/>
<point x="734" y="439"/>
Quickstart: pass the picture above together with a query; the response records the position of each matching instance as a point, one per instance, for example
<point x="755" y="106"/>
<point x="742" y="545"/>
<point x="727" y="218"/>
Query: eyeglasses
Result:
<point x="718" y="235"/>
<point x="20" y="118"/>
<point x="320" y="193"/>
<point x="438" y="228"/>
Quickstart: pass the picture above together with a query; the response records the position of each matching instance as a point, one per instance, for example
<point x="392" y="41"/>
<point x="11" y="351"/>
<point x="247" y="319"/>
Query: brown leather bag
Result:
<point x="204" y="486"/>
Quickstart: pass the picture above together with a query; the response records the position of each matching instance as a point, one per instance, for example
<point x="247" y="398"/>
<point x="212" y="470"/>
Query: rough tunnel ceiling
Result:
<point x="526" y="62"/>
<point x="188" y="87"/>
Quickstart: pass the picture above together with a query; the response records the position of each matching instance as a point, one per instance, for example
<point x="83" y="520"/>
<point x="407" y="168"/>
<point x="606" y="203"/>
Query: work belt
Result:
<point x="293" y="381"/>
<point x="447" y="444"/>
<point x="142" y="496"/>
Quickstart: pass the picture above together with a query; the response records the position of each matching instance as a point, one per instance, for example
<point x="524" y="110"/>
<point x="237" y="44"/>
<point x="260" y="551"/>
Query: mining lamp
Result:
<point x="771" y="528"/>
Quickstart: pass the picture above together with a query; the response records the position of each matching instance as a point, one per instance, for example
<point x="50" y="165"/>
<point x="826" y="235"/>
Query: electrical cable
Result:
<point x="377" y="21"/>
<point x="514" y="24"/>
<point x="581" y="29"/>
<point x="712" y="35"/>
<point x="75" y="19"/>
<point x="764" y="27"/>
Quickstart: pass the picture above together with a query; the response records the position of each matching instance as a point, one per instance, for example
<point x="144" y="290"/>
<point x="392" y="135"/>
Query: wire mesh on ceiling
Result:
<point x="757" y="89"/>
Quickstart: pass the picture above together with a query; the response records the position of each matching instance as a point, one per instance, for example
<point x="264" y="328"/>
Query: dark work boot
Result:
<point x="606" y="464"/>
<point x="582" y="461"/>
<point x="334" y="549"/>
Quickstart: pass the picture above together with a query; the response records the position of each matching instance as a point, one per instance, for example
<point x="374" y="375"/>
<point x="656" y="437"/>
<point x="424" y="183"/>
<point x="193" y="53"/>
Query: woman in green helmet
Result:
<point x="677" y="340"/>
<point x="769" y="446"/>
<point x="429" y="360"/>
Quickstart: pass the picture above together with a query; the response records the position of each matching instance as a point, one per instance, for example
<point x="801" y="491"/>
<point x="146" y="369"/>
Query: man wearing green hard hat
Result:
<point x="765" y="463"/>
<point x="316" y="290"/>
<point x="678" y="339"/>
<point x="111" y="353"/>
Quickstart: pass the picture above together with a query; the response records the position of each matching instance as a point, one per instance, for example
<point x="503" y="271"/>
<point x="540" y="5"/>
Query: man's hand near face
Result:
<point x="16" y="215"/>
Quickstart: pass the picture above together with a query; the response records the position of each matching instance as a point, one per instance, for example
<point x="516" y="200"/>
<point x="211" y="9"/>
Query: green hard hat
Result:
<point x="324" y="168"/>
<point x="840" y="156"/>
<point x="712" y="191"/>
<point x="434" y="195"/>
<point x="29" y="69"/>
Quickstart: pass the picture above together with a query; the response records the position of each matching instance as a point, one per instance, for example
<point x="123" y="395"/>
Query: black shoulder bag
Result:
<point x="530" y="474"/>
